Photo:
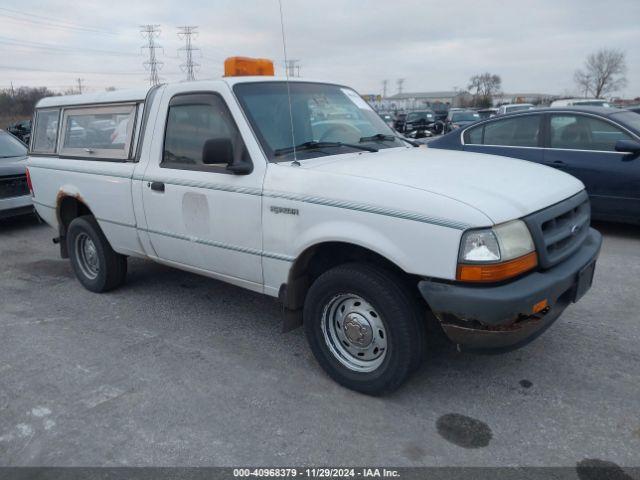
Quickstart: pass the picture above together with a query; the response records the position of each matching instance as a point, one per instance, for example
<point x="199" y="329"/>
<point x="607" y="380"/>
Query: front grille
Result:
<point x="15" y="186"/>
<point x="558" y="231"/>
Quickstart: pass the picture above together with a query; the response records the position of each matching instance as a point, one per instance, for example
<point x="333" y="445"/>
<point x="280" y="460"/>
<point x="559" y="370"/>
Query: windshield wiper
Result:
<point x="378" y="137"/>
<point x="381" y="137"/>
<point x="313" y="144"/>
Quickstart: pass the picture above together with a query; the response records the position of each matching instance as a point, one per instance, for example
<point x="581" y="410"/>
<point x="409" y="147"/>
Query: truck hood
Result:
<point x="502" y="188"/>
<point x="13" y="166"/>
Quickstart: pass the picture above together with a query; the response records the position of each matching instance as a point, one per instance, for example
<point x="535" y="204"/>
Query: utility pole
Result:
<point x="151" y="32"/>
<point x="293" y="68"/>
<point x="186" y="33"/>
<point x="400" y="83"/>
<point x="384" y="88"/>
<point x="79" y="80"/>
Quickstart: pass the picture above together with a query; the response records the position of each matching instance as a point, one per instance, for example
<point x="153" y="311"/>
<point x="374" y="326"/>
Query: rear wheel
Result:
<point x="364" y="327"/>
<point x="96" y="265"/>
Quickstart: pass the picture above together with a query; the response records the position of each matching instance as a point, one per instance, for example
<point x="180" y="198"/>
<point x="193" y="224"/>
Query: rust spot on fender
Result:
<point x="61" y="195"/>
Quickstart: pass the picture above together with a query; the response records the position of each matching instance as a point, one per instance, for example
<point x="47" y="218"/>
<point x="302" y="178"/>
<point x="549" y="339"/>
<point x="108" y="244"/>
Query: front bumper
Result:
<point x="501" y="317"/>
<point x="13" y="206"/>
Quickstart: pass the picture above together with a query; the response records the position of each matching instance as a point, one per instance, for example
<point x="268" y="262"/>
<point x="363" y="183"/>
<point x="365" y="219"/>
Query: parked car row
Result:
<point x="440" y="118"/>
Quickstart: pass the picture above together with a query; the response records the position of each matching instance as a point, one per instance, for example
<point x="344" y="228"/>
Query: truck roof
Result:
<point x="130" y="95"/>
<point x="139" y="94"/>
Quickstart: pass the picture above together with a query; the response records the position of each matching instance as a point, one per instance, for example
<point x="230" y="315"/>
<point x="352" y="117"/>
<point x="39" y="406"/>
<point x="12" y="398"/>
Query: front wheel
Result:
<point x="364" y="327"/>
<point x="96" y="265"/>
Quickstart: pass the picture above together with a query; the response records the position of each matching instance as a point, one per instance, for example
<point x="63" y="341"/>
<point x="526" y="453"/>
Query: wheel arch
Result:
<point x="316" y="259"/>
<point x="68" y="207"/>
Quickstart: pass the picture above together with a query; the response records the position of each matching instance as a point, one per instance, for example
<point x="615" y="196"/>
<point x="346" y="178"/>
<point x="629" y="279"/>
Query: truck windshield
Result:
<point x="327" y="119"/>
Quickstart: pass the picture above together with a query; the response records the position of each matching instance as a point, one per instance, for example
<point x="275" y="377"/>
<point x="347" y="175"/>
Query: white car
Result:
<point x="513" y="107"/>
<point x="581" y="102"/>
<point x="362" y="237"/>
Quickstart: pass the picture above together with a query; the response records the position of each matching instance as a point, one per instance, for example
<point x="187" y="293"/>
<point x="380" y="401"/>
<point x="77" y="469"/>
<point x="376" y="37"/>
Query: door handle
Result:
<point x="157" y="186"/>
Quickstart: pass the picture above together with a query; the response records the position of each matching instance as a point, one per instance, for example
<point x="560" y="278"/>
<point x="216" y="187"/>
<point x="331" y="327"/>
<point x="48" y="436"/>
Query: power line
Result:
<point x="189" y="66"/>
<point x="49" y="70"/>
<point x="42" y="23"/>
<point x="31" y="16"/>
<point x="60" y="48"/>
<point x="151" y="32"/>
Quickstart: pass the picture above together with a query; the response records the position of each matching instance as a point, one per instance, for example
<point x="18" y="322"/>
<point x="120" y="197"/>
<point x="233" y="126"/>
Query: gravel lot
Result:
<point x="176" y="369"/>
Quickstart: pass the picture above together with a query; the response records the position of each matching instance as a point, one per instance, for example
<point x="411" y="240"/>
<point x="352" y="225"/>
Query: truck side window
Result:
<point x="46" y="131"/>
<point x="192" y="121"/>
<point x="102" y="132"/>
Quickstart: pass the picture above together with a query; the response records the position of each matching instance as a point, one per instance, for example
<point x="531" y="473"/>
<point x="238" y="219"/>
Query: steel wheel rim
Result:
<point x="354" y="332"/>
<point x="87" y="256"/>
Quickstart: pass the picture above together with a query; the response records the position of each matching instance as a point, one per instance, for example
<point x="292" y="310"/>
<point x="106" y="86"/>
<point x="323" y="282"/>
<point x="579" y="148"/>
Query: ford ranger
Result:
<point x="299" y="190"/>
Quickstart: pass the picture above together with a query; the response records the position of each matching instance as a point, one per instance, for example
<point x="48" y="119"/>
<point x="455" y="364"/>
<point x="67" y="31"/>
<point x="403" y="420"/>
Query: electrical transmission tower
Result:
<point x="151" y="32"/>
<point x="79" y="80"/>
<point x="293" y="68"/>
<point x="189" y="66"/>
<point x="400" y="83"/>
<point x="384" y="88"/>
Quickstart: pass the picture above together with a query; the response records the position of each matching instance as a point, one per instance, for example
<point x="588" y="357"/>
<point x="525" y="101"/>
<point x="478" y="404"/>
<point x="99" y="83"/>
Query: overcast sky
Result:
<point x="535" y="46"/>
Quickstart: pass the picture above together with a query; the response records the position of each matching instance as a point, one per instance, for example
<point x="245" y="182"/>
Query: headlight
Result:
<point x="498" y="253"/>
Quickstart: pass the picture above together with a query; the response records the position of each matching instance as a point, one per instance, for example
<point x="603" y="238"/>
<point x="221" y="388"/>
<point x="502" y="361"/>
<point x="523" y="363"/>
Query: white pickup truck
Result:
<point x="300" y="191"/>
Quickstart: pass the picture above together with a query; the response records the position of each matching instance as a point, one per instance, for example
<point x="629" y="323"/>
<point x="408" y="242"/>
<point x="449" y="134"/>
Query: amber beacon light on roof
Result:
<point x="246" y="66"/>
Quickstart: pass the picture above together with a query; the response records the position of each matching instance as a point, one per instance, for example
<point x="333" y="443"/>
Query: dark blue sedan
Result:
<point x="600" y="146"/>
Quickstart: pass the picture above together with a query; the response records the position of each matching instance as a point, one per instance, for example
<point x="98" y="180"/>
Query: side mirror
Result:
<point x="217" y="151"/>
<point x="627" y="146"/>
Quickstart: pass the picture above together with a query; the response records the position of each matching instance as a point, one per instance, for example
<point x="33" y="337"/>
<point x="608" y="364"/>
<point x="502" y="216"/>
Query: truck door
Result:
<point x="198" y="213"/>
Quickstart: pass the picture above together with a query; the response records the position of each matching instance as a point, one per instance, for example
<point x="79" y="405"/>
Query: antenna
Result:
<point x="286" y="71"/>
<point x="189" y="67"/>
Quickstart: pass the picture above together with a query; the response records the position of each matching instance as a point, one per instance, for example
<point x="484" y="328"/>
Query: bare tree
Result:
<point x="583" y="80"/>
<point x="604" y="72"/>
<point x="484" y="86"/>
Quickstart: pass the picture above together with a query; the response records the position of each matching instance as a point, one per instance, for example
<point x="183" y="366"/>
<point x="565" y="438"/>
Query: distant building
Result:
<point x="534" y="98"/>
<point x="418" y="100"/>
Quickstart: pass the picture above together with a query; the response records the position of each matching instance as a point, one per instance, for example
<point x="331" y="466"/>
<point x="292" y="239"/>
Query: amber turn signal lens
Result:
<point x="246" y="66"/>
<point x="541" y="305"/>
<point x="495" y="272"/>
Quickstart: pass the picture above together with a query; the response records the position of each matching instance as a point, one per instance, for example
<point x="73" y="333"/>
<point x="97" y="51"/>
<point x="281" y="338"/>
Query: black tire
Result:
<point x="398" y="310"/>
<point x="111" y="266"/>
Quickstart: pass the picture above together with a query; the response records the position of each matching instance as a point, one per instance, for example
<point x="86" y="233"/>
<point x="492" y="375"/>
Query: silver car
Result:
<point x="15" y="198"/>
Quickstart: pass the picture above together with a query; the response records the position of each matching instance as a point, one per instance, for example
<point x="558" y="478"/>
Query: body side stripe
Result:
<point x="347" y="205"/>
